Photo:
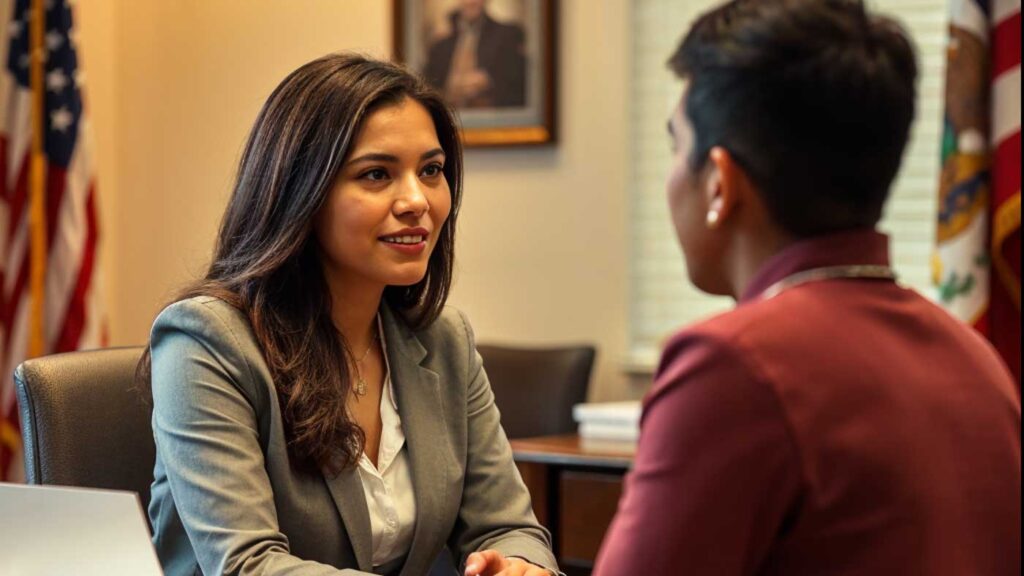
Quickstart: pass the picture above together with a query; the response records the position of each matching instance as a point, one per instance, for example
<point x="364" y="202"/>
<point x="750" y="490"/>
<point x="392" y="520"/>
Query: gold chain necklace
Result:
<point x="360" y="389"/>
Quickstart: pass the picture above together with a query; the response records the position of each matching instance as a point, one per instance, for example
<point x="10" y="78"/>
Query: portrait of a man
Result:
<point x="481" y="62"/>
<point x="493" y="60"/>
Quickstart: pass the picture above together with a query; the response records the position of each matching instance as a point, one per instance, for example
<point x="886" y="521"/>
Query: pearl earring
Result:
<point x="713" y="217"/>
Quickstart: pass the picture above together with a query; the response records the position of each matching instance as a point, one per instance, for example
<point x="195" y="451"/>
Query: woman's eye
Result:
<point x="375" y="174"/>
<point x="433" y="170"/>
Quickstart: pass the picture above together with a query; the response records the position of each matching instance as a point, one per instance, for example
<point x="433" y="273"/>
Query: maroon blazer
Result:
<point x="841" y="427"/>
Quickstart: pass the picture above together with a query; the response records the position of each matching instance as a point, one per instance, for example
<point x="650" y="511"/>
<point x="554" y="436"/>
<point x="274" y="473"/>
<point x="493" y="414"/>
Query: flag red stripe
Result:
<point x="1006" y="45"/>
<point x="3" y="198"/>
<point x="1006" y="169"/>
<point x="14" y="298"/>
<point x="75" y="317"/>
<point x="3" y="171"/>
<point x="1005" y="295"/>
<point x="17" y="199"/>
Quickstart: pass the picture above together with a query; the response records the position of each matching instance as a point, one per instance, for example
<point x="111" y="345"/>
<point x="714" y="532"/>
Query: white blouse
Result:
<point x="388" y="486"/>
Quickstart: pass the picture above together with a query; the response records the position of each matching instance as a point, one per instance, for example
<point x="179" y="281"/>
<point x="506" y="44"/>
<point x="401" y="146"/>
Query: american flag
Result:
<point x="977" y="265"/>
<point x="72" y="316"/>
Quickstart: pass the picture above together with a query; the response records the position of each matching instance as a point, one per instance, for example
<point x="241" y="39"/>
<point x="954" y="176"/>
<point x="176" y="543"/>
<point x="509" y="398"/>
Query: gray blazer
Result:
<point x="225" y="499"/>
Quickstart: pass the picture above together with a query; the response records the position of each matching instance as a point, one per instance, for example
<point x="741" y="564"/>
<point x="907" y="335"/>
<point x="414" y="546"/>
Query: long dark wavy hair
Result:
<point x="266" y="261"/>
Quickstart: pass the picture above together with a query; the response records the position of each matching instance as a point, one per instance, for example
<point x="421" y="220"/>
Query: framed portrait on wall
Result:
<point x="494" y="60"/>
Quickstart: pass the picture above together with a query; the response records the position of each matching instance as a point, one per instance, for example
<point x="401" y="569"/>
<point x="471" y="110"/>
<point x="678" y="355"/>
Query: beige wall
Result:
<point x="174" y="86"/>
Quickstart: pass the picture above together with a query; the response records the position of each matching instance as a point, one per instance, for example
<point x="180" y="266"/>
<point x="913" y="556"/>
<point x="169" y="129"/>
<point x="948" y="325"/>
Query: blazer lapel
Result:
<point x="423" y="417"/>
<point x="347" y="491"/>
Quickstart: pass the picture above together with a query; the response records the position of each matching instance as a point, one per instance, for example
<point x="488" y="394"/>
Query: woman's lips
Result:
<point x="411" y="244"/>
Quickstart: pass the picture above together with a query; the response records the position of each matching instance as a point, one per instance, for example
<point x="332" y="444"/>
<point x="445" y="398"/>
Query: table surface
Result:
<point x="571" y="450"/>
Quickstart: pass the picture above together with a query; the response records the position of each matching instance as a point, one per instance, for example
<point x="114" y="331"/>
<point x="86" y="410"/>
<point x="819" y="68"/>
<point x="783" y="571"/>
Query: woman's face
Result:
<point x="382" y="219"/>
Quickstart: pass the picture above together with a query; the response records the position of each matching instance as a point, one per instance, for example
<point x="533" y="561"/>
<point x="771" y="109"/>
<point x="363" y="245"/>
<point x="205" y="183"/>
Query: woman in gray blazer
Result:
<point x="316" y="408"/>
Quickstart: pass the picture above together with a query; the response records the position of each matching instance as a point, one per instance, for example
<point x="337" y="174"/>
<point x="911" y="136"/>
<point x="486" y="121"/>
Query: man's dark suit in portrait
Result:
<point x="481" y="64"/>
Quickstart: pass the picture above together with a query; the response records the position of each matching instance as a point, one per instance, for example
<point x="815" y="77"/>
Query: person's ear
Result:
<point x="722" y="186"/>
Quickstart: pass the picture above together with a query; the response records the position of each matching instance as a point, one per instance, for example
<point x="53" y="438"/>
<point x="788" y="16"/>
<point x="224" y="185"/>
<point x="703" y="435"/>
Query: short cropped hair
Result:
<point x="813" y="98"/>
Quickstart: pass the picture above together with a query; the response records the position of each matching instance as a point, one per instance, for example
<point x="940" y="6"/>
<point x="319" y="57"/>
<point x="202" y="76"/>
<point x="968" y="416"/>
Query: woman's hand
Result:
<point x="492" y="563"/>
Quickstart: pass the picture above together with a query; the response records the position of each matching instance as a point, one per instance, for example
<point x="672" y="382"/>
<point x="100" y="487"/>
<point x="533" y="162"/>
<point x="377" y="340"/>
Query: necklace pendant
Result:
<point x="360" y="387"/>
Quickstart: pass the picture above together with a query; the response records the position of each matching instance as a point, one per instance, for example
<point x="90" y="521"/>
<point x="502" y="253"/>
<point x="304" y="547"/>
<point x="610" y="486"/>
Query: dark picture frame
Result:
<point x="502" y="79"/>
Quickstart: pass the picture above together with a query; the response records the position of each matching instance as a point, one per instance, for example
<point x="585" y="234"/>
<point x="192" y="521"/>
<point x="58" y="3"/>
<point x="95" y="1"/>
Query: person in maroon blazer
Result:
<point x="835" y="422"/>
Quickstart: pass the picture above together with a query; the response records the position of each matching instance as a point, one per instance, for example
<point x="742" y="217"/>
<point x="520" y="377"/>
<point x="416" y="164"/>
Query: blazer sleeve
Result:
<point x="496" y="511"/>
<point x="206" y="433"/>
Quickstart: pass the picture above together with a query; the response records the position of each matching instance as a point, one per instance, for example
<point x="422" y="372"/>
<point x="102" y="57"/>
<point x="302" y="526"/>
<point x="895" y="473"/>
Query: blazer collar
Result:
<point x="402" y="341"/>
<point x="423" y="421"/>
<point x="418" y="395"/>
<point x="347" y="492"/>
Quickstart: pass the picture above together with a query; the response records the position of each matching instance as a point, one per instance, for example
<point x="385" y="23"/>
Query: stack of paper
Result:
<point x="616" y="421"/>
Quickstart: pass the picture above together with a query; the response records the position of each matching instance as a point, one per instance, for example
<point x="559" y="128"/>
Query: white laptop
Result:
<point x="47" y="530"/>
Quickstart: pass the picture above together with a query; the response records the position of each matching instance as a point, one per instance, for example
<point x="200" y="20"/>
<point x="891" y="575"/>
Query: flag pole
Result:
<point x="37" y="182"/>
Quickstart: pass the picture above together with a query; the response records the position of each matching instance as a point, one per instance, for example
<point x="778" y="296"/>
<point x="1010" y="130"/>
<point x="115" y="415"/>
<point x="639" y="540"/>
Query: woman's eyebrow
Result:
<point x="390" y="158"/>
<point x="375" y="157"/>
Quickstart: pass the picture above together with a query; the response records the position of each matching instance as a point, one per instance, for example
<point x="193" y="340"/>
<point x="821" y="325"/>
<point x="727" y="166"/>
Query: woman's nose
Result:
<point x="411" y="198"/>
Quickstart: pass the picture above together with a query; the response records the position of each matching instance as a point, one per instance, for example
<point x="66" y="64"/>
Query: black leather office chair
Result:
<point x="536" y="388"/>
<point x="83" y="423"/>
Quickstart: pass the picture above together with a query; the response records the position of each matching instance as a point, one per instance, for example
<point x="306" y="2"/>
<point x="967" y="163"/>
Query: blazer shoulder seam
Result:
<point x="212" y="305"/>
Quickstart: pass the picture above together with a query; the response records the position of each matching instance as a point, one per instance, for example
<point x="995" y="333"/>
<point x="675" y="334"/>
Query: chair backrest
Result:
<point x="83" y="423"/>
<point x="536" y="388"/>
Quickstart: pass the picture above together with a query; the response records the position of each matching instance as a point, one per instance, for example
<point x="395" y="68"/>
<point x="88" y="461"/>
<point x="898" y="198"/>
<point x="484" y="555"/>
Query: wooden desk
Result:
<point x="575" y="485"/>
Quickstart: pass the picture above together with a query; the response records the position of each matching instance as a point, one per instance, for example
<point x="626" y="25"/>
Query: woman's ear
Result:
<point x="722" y="187"/>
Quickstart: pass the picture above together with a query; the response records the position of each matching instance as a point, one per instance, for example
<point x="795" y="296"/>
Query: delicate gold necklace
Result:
<point x="360" y="389"/>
